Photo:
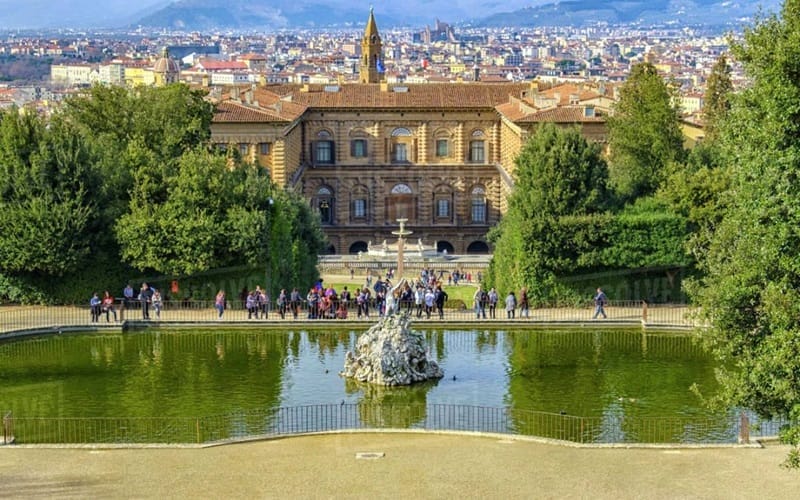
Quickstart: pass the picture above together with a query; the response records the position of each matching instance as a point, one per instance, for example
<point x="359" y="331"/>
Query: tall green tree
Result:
<point x="46" y="211"/>
<point x="717" y="97"/>
<point x="644" y="134"/>
<point x="557" y="173"/>
<point x="751" y="290"/>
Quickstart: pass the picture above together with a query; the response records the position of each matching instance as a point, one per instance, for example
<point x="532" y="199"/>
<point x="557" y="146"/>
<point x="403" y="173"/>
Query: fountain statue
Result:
<point x="391" y="353"/>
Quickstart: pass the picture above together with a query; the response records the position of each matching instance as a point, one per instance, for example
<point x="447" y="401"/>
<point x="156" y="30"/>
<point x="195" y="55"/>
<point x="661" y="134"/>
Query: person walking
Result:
<point x="511" y="305"/>
<point x="219" y="303"/>
<point x="600" y="301"/>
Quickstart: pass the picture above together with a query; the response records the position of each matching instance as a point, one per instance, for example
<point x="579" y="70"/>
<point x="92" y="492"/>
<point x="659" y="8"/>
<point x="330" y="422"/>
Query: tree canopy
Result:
<point x="750" y="291"/>
<point x="126" y="177"/>
<point x="557" y="173"/>
<point x="644" y="134"/>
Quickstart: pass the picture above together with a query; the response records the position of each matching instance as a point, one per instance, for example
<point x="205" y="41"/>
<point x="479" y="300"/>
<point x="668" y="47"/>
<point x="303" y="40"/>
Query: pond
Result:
<point x="606" y="376"/>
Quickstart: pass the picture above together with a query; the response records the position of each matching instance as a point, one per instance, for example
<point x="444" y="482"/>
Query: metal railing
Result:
<point x="729" y="428"/>
<point x="17" y="318"/>
<point x="8" y="428"/>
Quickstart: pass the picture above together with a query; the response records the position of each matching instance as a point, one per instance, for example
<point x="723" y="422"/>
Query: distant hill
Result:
<point x="252" y="14"/>
<point x="585" y="12"/>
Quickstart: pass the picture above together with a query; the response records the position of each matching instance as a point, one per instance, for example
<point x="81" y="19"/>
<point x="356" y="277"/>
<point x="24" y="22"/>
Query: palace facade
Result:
<point x="366" y="154"/>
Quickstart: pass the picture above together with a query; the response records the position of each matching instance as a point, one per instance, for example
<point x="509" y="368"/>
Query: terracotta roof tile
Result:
<point x="562" y="114"/>
<point x="416" y="96"/>
<point x="230" y="111"/>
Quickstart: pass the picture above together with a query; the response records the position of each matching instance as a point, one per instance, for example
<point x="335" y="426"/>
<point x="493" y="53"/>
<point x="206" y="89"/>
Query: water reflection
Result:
<point x="383" y="407"/>
<point x="540" y="380"/>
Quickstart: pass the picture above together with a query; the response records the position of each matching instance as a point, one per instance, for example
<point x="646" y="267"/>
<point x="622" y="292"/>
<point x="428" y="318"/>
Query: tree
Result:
<point x="750" y="293"/>
<point x="717" y="96"/>
<point x="698" y="190"/>
<point x="46" y="211"/>
<point x="557" y="173"/>
<point x="644" y="134"/>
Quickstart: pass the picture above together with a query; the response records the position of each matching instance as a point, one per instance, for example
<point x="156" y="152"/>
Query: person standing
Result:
<point x="294" y="297"/>
<point x="524" y="304"/>
<point x="511" y="305"/>
<point x="158" y="303"/>
<point x="219" y="303"/>
<point x="127" y="293"/>
<point x="430" y="301"/>
<point x="145" y="296"/>
<point x="282" y="300"/>
<point x="479" y="302"/>
<point x="94" y="306"/>
<point x="493" y="298"/>
<point x="600" y="301"/>
<point x="441" y="298"/>
<point x="251" y="303"/>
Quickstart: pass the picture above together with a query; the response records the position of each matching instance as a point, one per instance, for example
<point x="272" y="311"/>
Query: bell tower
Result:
<point x="371" y="48"/>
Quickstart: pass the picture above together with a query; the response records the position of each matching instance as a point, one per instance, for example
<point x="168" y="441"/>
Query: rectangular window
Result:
<point x="323" y="152"/>
<point x="476" y="152"/>
<point x="441" y="147"/>
<point x="478" y="211"/>
<point x="359" y="208"/>
<point x="263" y="148"/>
<point x="442" y="208"/>
<point x="358" y="148"/>
<point x="243" y="148"/>
<point x="400" y="152"/>
<point x="222" y="147"/>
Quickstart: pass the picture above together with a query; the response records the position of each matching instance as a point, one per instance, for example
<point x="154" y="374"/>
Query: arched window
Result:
<point x="401" y="203"/>
<point x="325" y="204"/>
<point x="478" y="211"/>
<point x="477" y="147"/>
<point x="401" y="132"/>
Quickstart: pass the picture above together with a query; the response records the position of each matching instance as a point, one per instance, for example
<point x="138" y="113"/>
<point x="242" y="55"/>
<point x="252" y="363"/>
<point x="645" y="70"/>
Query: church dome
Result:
<point x="166" y="64"/>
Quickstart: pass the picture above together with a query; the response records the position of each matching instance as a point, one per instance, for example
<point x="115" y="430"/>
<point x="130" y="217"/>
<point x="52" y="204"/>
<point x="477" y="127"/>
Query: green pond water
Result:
<point x="607" y="375"/>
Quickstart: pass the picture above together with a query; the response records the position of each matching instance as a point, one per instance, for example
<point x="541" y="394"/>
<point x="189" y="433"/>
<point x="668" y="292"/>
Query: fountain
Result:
<point x="390" y="353"/>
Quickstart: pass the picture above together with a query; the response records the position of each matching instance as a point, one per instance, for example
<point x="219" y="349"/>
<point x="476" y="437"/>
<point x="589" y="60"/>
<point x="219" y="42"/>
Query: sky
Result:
<point x="115" y="13"/>
<point x="70" y="13"/>
<point x="109" y="13"/>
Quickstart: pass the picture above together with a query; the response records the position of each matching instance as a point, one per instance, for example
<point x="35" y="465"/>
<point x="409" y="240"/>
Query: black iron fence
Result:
<point x="15" y="318"/>
<point x="728" y="428"/>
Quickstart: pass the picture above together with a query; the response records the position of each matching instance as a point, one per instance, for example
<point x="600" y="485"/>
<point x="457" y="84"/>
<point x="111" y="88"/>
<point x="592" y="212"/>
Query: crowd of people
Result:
<point x="421" y="296"/>
<point x="147" y="298"/>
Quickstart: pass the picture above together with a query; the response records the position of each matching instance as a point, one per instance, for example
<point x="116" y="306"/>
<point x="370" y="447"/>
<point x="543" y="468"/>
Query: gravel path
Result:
<point x="412" y="466"/>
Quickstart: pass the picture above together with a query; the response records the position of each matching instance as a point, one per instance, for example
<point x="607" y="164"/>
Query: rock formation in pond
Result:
<point x="391" y="353"/>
